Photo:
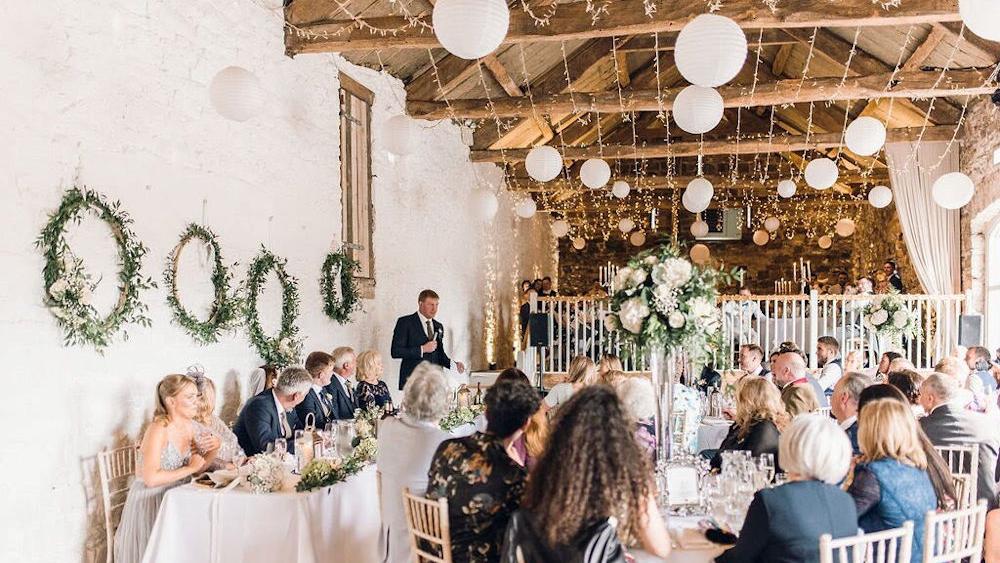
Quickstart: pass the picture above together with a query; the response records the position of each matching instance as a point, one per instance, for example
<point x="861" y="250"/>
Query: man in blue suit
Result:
<point x="269" y="416"/>
<point x="341" y="388"/>
<point x="318" y="401"/>
<point x="418" y="337"/>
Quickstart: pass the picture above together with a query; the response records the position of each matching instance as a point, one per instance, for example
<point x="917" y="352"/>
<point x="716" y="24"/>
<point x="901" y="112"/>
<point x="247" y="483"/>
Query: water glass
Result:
<point x="766" y="463"/>
<point x="280" y="448"/>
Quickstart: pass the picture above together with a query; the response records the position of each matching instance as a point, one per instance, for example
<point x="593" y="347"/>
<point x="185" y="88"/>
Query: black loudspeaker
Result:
<point x="538" y="325"/>
<point x="970" y="330"/>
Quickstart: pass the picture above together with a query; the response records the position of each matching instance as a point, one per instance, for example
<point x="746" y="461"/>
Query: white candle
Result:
<point x="794" y="276"/>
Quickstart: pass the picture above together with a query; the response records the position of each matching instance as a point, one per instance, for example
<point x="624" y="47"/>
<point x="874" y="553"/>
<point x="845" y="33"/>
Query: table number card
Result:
<point x="682" y="485"/>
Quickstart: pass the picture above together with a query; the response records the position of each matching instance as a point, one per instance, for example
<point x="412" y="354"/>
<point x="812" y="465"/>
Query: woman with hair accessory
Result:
<point x="211" y="433"/>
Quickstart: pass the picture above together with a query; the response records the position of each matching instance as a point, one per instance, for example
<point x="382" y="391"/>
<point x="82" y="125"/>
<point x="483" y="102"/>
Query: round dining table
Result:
<point x="689" y="544"/>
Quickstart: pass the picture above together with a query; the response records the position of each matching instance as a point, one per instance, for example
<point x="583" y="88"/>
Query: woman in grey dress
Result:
<point x="164" y="460"/>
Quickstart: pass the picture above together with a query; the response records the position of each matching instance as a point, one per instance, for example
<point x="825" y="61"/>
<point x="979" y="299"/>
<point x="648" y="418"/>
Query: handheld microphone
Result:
<point x="439" y="335"/>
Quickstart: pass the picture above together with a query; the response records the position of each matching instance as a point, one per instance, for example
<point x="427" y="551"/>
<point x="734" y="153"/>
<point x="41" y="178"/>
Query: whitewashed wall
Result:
<point x="113" y="94"/>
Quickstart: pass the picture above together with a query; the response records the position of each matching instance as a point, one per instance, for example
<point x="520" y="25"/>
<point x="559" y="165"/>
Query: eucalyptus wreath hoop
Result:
<point x="225" y="306"/>
<point x="339" y="310"/>
<point x="284" y="348"/>
<point x="69" y="287"/>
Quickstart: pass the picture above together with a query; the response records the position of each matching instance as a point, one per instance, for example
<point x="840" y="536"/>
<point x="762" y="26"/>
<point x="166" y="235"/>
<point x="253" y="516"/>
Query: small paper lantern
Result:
<point x="822" y="173"/>
<point x="626" y="225"/>
<point x="620" y="189"/>
<point x="865" y="136"/>
<point x="486" y="204"/>
<point x="700" y="254"/>
<point x="760" y="237"/>
<point x="825" y="242"/>
<point x="236" y="93"/>
<point x="526" y="208"/>
<point x="771" y="224"/>
<point x="579" y="243"/>
<point x="953" y="190"/>
<point x="698" y="109"/>
<point x="699" y="228"/>
<point x="786" y="188"/>
<point x="982" y="17"/>
<point x="560" y="228"/>
<point x="845" y="227"/>
<point x="543" y="163"/>
<point x="880" y="196"/>
<point x="470" y="29"/>
<point x="398" y="135"/>
<point x="710" y="50"/>
<point x="595" y="173"/>
<point x="637" y="238"/>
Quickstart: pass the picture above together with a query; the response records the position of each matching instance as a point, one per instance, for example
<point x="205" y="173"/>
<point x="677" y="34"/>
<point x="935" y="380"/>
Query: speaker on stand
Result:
<point x="538" y="337"/>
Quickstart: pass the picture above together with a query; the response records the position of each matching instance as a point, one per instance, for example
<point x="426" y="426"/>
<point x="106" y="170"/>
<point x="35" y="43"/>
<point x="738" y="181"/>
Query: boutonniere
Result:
<point x="328" y="395"/>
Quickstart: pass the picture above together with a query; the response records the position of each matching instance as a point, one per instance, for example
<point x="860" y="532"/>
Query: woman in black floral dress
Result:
<point x="371" y="390"/>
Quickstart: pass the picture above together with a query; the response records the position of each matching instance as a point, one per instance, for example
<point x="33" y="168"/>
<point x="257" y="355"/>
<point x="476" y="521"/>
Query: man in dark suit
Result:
<point x="892" y="275"/>
<point x="844" y="404"/>
<point x="950" y="424"/>
<point x="789" y="368"/>
<point x="341" y="388"/>
<point x="269" y="415"/>
<point x="752" y="361"/>
<point x="418" y="337"/>
<point x="318" y="402"/>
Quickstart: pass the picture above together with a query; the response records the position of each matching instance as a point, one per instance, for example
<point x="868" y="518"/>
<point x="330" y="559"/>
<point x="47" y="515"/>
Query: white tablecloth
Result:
<point x="338" y="524"/>
<point x="711" y="432"/>
<point x="700" y="554"/>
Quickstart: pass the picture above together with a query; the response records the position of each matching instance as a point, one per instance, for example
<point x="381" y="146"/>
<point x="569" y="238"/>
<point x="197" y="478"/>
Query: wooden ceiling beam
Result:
<point x="925" y="49"/>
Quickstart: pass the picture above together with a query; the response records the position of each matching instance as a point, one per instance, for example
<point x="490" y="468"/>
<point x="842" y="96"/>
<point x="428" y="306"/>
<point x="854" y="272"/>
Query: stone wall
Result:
<point x="981" y="138"/>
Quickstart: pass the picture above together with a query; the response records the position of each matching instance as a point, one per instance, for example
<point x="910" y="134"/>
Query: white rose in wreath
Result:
<point x="611" y="322"/>
<point x="622" y="277"/>
<point x="60" y="313"/>
<point x="676" y="319"/>
<point x="900" y="318"/>
<point x="638" y="277"/>
<point x="879" y="317"/>
<point x="675" y="272"/>
<point x="634" y="311"/>
<point x="85" y="296"/>
<point x="58" y="288"/>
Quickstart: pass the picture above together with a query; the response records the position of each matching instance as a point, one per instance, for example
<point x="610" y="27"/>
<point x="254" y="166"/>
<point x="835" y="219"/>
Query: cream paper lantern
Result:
<point x="699" y="228"/>
<point x="760" y="237"/>
<point x="560" y="228"/>
<point x="637" y="238"/>
<point x="880" y="196"/>
<point x="845" y="227"/>
<point x="579" y="243"/>
<point x="953" y="190"/>
<point x="486" y="204"/>
<point x="595" y="173"/>
<point x="700" y="254"/>
<point x="772" y="223"/>
<point x="526" y="208"/>
<point x="620" y="189"/>
<point x="982" y="17"/>
<point x="470" y="29"/>
<point x="698" y="109"/>
<point x="822" y="173"/>
<point x="865" y="136"/>
<point x="398" y="134"/>
<point x="692" y="204"/>
<point x="626" y="225"/>
<point x="825" y="242"/>
<point x="543" y="163"/>
<point x="698" y="195"/>
<point x="786" y="188"/>
<point x="236" y="93"/>
<point x="710" y="50"/>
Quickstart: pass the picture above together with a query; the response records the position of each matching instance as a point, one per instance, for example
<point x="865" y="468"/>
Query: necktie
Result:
<point x="325" y="404"/>
<point x="286" y="430"/>
<point x="430" y="331"/>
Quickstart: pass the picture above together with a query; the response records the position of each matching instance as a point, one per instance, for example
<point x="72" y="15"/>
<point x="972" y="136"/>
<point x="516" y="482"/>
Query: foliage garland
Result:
<point x="284" y="348"/>
<point x="225" y="306"/>
<point x="68" y="286"/>
<point x="321" y="473"/>
<point x="340" y="311"/>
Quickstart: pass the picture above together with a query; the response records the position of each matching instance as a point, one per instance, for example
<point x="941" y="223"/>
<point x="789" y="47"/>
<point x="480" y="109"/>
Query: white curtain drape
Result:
<point x="931" y="233"/>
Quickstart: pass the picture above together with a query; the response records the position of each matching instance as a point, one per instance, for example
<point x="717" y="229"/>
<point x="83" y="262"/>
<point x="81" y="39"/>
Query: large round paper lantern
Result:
<point x="637" y="238"/>
<point x="700" y="254"/>
<point x="699" y="228"/>
<point x="620" y="189"/>
<point x="486" y="204"/>
<point x="786" y="188"/>
<point x="698" y="195"/>
<point x="698" y="109"/>
<point x="579" y="243"/>
<point x="772" y="223"/>
<point x="825" y="242"/>
<point x="710" y="50"/>
<point x="626" y="225"/>
<point x="692" y="204"/>
<point x="470" y="29"/>
<point x="880" y="196"/>
<point x="398" y="135"/>
<point x="595" y="173"/>
<point x="822" y="173"/>
<point x="236" y="93"/>
<point x="543" y="163"/>
<point x="953" y="190"/>
<point x="845" y="227"/>
<point x="982" y="17"/>
<point x="760" y="237"/>
<point x="526" y="208"/>
<point x="865" y="136"/>
<point x="560" y="228"/>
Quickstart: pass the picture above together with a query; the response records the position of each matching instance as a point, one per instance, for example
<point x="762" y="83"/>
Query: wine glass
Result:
<point x="766" y="463"/>
<point x="280" y="448"/>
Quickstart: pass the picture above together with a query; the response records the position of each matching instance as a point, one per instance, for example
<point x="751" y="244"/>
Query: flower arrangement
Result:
<point x="459" y="416"/>
<point x="366" y="421"/>
<point x="263" y="473"/>
<point x="889" y="317"/>
<point x="324" y="472"/>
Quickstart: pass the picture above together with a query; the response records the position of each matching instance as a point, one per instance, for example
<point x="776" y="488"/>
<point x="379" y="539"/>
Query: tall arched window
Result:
<point x="993" y="285"/>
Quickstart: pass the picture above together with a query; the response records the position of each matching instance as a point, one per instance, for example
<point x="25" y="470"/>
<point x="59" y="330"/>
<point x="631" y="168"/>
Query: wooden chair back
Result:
<point x="956" y="536"/>
<point x="116" y="469"/>
<point x="430" y="535"/>
<point x="888" y="546"/>
<point x="963" y="461"/>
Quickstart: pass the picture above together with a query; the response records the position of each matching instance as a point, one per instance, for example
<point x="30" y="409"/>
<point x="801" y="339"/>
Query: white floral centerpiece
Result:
<point x="263" y="473"/>
<point x="889" y="317"/>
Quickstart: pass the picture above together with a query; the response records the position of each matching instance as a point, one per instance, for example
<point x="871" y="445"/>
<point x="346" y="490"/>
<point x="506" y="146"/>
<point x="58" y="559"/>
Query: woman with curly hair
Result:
<point x="759" y="414"/>
<point x="591" y="488"/>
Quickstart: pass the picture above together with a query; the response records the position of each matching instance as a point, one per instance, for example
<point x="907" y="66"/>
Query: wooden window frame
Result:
<point x="351" y="87"/>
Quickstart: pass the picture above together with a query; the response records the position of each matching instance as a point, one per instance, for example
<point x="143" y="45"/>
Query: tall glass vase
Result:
<point x="663" y="369"/>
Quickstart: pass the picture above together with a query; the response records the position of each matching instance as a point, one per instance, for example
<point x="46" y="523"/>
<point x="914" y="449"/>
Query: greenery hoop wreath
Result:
<point x="284" y="348"/>
<point x="68" y="286"/>
<point x="225" y="306"/>
<point x="339" y="310"/>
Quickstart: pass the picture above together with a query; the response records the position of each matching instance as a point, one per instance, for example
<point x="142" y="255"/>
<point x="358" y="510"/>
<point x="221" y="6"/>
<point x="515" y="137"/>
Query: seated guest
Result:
<point x="969" y="390"/>
<point x="482" y="483"/>
<point x="755" y="427"/>
<point x="590" y="487"/>
<point x="978" y="360"/>
<point x="885" y="360"/>
<point x="371" y="390"/>
<point x="844" y="404"/>
<point x="405" y="448"/>
<point x="262" y="379"/>
<point x="799" y="399"/>
<point x="581" y="372"/>
<point x="340" y="388"/>
<point x="830" y="363"/>
<point x="949" y="424"/>
<point x="223" y="441"/>
<point x="526" y="449"/>
<point x="270" y="416"/>
<point x="789" y="367"/>
<point x="751" y="361"/>
<point x="608" y="363"/>
<point x="639" y="400"/>
<point x="784" y="523"/>
<point x="908" y="382"/>
<point x="318" y="401"/>
<point x="165" y="460"/>
<point x="614" y="377"/>
<point x="854" y="361"/>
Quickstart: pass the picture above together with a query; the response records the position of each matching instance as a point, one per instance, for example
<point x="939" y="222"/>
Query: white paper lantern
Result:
<point x="620" y="189"/>
<point x="865" y="136"/>
<point x="786" y="188"/>
<point x="825" y="242"/>
<point x="637" y="238"/>
<point x="953" y="190"/>
<point x="526" y="208"/>
<point x="700" y="254"/>
<point x="698" y="109"/>
<point x="486" y="204"/>
<point x="236" y="93"/>
<point x="982" y="17"/>
<point x="845" y="227"/>
<point x="822" y="173"/>
<point x="579" y="243"/>
<point x="626" y="225"/>
<point x="699" y="228"/>
<point x="880" y="196"/>
<point x="760" y="237"/>
<point x="560" y="228"/>
<point x="698" y="195"/>
<point x="595" y="173"/>
<point x="470" y="29"/>
<point x="691" y="204"/>
<point x="398" y="134"/>
<point x="771" y="224"/>
<point x="710" y="50"/>
<point x="543" y="163"/>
